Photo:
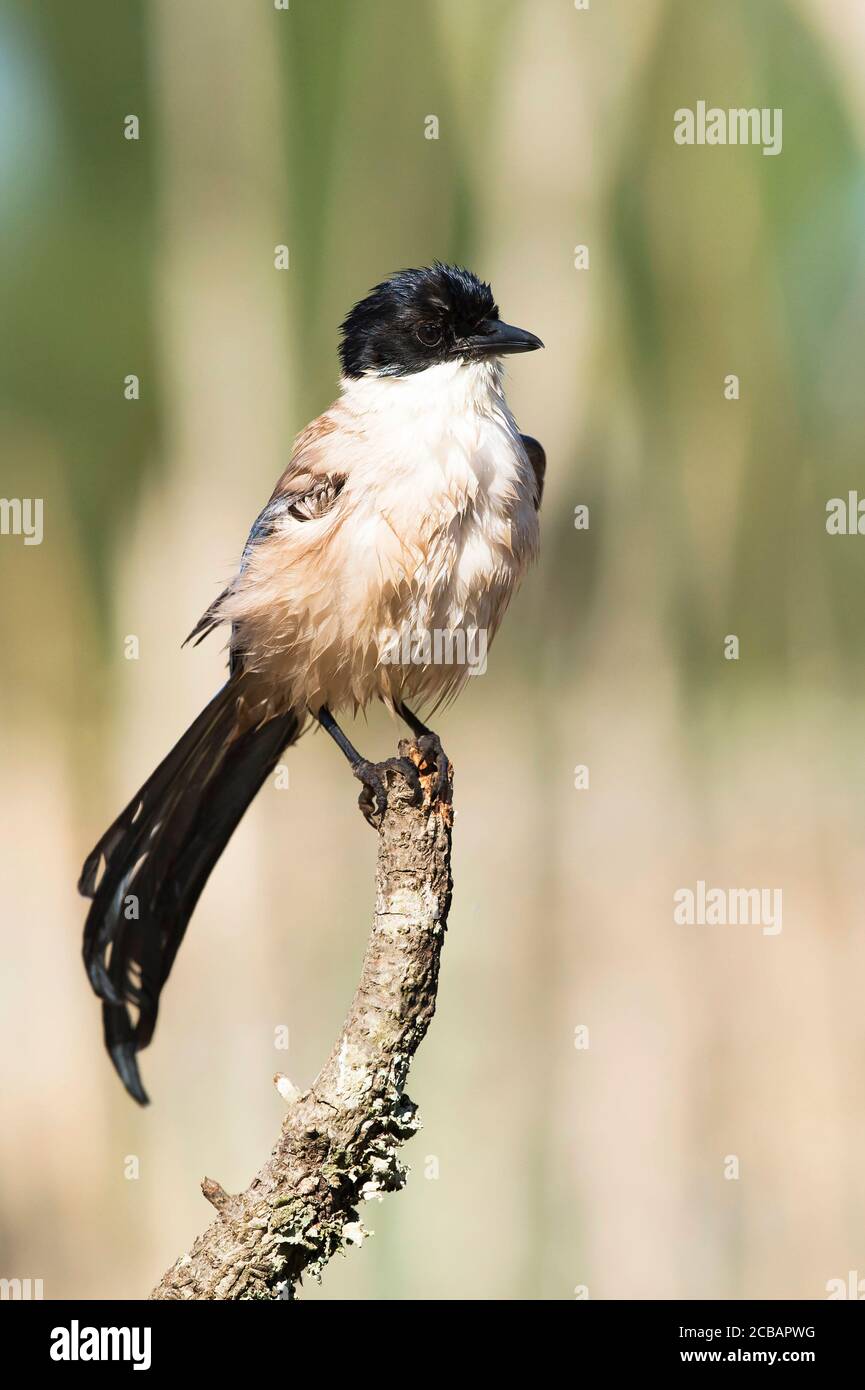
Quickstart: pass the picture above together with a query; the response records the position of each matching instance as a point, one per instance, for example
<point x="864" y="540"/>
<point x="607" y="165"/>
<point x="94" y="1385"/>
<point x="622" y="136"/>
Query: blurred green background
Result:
<point x="557" y="1167"/>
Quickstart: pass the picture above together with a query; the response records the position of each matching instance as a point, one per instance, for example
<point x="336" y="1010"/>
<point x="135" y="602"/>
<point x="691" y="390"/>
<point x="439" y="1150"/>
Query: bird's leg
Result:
<point x="429" y="744"/>
<point x="373" y="798"/>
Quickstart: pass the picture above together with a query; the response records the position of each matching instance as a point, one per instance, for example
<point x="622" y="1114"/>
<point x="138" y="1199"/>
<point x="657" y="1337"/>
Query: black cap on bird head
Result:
<point x="421" y="318"/>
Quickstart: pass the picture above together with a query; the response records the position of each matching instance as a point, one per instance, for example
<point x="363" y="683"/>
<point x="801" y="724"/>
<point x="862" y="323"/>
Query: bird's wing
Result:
<point x="306" y="490"/>
<point x="538" y="460"/>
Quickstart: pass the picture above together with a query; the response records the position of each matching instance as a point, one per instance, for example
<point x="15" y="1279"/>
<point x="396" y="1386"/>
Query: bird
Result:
<point x="408" y="508"/>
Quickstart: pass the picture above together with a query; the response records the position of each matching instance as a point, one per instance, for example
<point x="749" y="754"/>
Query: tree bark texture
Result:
<point x="340" y="1139"/>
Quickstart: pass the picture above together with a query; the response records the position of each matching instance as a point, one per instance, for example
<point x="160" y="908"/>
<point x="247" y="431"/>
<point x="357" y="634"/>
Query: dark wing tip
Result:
<point x="538" y="460"/>
<point x="209" y="619"/>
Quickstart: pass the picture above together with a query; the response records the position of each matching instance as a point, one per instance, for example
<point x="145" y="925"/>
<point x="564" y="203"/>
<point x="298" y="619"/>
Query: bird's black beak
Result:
<point x="495" y="338"/>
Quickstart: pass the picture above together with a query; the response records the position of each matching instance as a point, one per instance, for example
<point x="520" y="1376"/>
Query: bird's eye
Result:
<point x="429" y="334"/>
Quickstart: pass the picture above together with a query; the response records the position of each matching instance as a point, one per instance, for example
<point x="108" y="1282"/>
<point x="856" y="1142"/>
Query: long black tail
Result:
<point x="157" y="857"/>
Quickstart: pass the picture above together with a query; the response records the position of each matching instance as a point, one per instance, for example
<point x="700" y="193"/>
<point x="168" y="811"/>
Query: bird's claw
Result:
<point x="435" y="757"/>
<point x="373" y="797"/>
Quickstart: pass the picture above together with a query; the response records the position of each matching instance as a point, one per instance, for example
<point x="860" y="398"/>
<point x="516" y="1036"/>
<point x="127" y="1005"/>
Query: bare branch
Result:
<point x="340" y="1139"/>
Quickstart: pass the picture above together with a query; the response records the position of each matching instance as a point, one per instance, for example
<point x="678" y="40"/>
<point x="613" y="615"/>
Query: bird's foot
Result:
<point x="435" y="764"/>
<point x="374" y="776"/>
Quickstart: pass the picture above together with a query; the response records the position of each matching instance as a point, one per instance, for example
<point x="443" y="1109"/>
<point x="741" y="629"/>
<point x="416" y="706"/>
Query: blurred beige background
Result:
<point x="557" y="1167"/>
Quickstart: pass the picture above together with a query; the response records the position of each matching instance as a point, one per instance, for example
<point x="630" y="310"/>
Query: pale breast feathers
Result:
<point x="407" y="507"/>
